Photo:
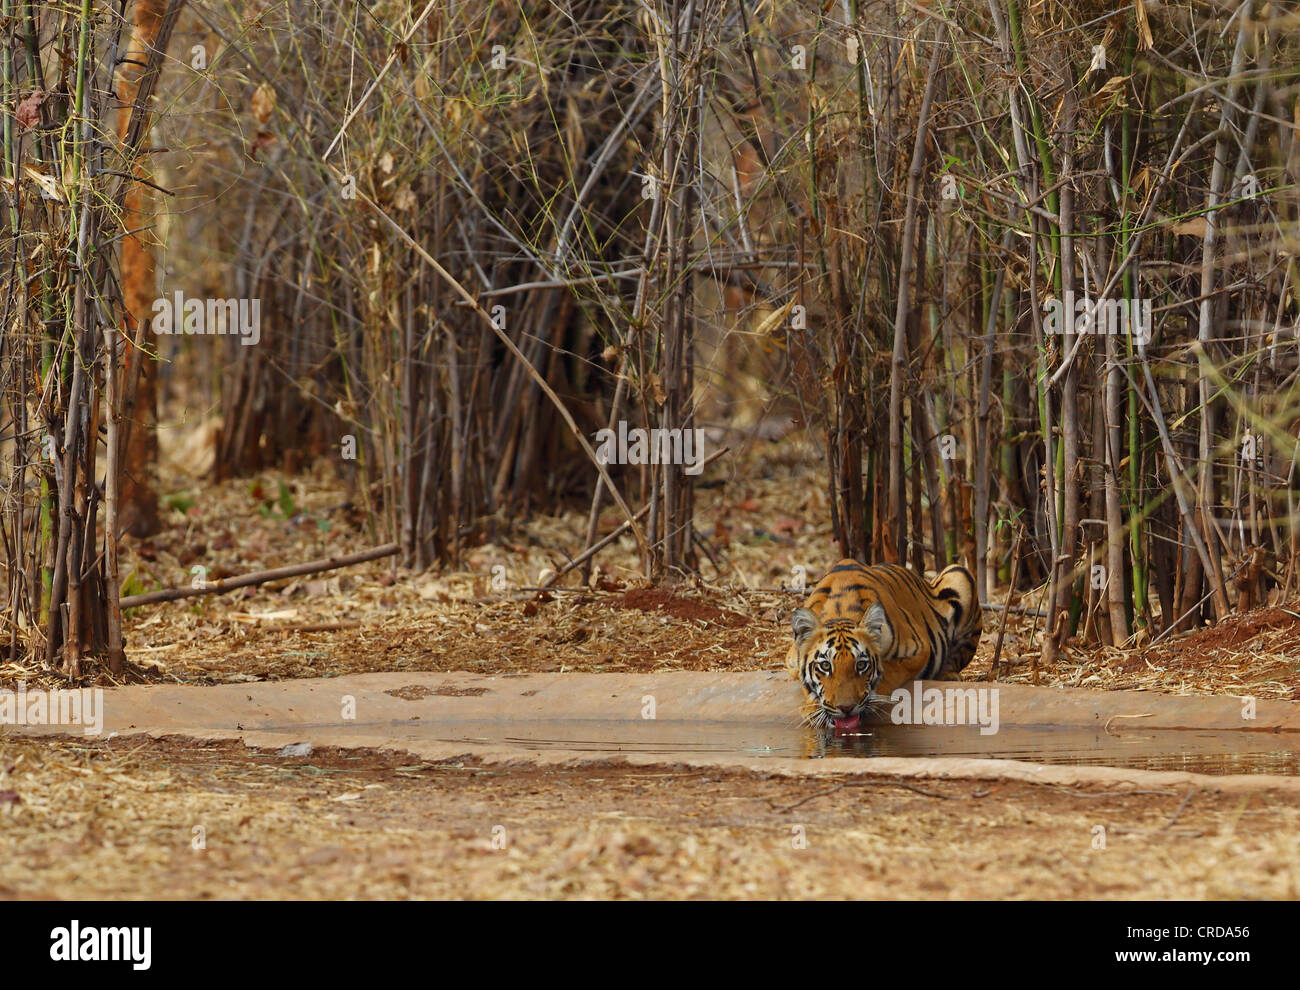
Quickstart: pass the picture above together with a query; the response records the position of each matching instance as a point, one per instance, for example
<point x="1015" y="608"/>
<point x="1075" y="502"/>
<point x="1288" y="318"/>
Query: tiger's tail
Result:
<point x="955" y="589"/>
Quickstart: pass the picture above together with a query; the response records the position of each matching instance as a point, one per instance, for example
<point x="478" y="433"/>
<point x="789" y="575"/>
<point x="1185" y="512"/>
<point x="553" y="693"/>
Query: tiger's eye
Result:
<point x="825" y="667"/>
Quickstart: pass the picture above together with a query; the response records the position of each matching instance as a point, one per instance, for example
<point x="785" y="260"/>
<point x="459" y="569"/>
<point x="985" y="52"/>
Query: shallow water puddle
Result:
<point x="1194" y="751"/>
<point x="1197" y="751"/>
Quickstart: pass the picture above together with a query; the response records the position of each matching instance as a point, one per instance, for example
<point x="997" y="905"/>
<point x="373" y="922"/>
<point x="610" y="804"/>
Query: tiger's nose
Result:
<point x="847" y="709"/>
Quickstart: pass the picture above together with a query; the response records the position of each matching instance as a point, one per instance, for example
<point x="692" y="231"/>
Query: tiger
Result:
<point x="865" y="631"/>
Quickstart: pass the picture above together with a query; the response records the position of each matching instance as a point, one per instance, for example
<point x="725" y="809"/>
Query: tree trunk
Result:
<point x="138" y="511"/>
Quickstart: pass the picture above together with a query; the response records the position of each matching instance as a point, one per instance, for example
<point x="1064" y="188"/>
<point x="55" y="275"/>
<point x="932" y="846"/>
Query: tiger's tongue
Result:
<point x="847" y="724"/>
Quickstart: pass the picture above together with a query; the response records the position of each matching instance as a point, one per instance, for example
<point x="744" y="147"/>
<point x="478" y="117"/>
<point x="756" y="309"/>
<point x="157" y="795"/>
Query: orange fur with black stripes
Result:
<point x="865" y="631"/>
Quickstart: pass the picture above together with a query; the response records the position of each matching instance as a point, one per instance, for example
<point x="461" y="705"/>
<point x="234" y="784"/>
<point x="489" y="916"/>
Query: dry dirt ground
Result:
<point x="764" y="517"/>
<point x="121" y="819"/>
<point x="117" y="819"/>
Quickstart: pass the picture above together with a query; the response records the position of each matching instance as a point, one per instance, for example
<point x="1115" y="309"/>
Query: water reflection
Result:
<point x="1198" y="752"/>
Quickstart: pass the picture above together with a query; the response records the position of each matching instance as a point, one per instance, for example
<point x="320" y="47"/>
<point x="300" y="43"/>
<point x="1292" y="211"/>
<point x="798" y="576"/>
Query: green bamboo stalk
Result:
<point x="1137" y="600"/>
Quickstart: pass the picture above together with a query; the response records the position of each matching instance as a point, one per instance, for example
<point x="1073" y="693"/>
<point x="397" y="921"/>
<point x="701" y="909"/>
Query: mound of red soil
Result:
<point x="1253" y="647"/>
<point x="692" y="609"/>
<point x="1236" y="629"/>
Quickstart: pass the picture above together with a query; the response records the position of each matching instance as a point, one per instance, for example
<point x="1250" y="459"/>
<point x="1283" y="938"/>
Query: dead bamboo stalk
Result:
<point x="64" y="574"/>
<point x="982" y="417"/>
<point x="1002" y="626"/>
<point x="261" y="577"/>
<point x="1068" y="553"/>
<point x="1205" y="329"/>
<point x="518" y="355"/>
<point x="898" y="362"/>
<point x="1176" y="478"/>
<point x="112" y="586"/>
<point x="1116" y="531"/>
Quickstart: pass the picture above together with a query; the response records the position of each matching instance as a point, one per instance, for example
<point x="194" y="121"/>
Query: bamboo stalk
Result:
<point x="112" y="572"/>
<point x="898" y="360"/>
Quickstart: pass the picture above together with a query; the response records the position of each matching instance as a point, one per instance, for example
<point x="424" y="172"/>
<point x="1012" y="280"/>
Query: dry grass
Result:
<point x="764" y="512"/>
<point x="117" y="819"/>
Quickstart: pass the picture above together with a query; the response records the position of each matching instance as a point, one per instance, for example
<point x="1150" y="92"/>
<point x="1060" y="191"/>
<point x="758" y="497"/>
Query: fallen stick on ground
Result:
<point x="322" y="627"/>
<point x="592" y="550"/>
<point x="595" y="548"/>
<point x="1022" y="609"/>
<point x="260" y="577"/>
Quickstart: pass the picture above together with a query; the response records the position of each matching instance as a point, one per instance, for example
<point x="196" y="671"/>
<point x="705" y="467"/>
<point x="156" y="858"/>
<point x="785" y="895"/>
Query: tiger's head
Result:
<point x="838" y="664"/>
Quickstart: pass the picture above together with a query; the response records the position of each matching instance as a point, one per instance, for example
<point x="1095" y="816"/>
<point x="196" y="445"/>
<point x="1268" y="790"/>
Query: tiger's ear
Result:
<point x="876" y="629"/>
<point x="803" y="623"/>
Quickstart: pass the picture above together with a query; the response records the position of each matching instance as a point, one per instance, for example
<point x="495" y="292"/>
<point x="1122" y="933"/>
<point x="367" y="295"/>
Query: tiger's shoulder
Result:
<point x="839" y="595"/>
<point x="849" y="586"/>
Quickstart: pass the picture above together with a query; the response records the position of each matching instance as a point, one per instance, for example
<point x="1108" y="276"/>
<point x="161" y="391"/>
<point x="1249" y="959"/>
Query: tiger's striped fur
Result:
<point x="865" y="631"/>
